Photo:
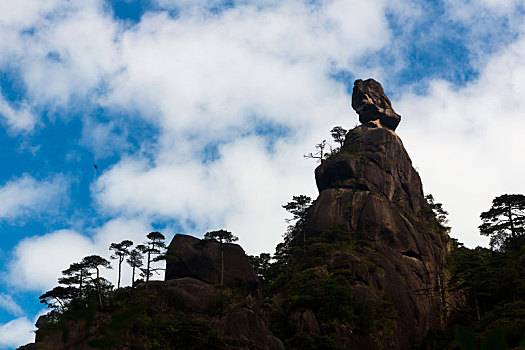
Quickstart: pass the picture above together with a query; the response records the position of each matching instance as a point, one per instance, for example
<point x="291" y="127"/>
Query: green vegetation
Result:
<point x="486" y="287"/>
<point x="133" y="318"/>
<point x="82" y="281"/>
<point x="338" y="134"/>
<point x="86" y="305"/>
<point x="504" y="222"/>
<point x="299" y="274"/>
<point x="153" y="249"/>
<point x="121" y="250"/>
<point x="312" y="278"/>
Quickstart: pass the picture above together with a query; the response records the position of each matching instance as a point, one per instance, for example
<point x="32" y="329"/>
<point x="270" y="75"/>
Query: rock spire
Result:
<point x="370" y="193"/>
<point x="372" y="105"/>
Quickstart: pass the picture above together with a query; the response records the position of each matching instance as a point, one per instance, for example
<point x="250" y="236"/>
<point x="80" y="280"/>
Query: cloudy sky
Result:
<point x="198" y="113"/>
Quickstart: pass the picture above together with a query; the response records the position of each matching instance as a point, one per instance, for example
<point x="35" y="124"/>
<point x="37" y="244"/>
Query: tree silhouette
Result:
<point x="504" y="222"/>
<point x="221" y="236"/>
<point x="298" y="207"/>
<point x="153" y="247"/>
<point x="76" y="274"/>
<point x="58" y="298"/>
<point x="120" y="252"/>
<point x="135" y="261"/>
<point x="261" y="265"/>
<point x="96" y="262"/>
<point x="438" y="212"/>
<point x="338" y="133"/>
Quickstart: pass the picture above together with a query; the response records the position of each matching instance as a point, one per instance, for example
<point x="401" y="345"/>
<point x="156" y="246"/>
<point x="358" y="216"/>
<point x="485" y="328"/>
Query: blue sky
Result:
<point x="198" y="113"/>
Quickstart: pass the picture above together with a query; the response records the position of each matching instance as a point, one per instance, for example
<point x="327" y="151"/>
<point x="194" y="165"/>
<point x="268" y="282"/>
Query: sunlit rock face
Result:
<point x="372" y="105"/>
<point x="370" y="191"/>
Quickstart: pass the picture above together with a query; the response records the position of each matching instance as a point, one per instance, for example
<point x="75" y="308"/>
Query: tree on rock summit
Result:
<point x="221" y="236"/>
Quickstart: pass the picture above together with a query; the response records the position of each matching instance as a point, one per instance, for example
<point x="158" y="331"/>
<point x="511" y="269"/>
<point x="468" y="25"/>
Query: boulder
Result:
<point x="185" y="294"/>
<point x="201" y="260"/>
<point x="303" y="320"/>
<point x="372" y="105"/>
<point x="245" y="329"/>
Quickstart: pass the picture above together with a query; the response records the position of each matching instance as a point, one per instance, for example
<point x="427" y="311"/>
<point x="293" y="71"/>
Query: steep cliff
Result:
<point x="370" y="191"/>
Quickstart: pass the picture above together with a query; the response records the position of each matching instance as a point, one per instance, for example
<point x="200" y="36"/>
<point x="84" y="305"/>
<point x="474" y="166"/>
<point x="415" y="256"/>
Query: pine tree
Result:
<point x="96" y="262"/>
<point x="121" y="250"/>
<point x="298" y="207"/>
<point x="76" y="274"/>
<point x="135" y="261"/>
<point x="338" y="134"/>
<point x="504" y="222"/>
<point x="58" y="298"/>
<point x="154" y="251"/>
<point x="222" y="236"/>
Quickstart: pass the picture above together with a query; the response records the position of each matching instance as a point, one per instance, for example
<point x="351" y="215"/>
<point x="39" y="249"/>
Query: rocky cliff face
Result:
<point x="370" y="191"/>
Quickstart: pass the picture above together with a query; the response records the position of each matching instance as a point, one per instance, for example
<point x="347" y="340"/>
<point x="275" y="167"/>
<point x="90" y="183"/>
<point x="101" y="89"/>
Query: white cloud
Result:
<point x="27" y="196"/>
<point x="463" y="9"/>
<point x="468" y="142"/>
<point x="104" y="139"/>
<point x="25" y="13"/>
<point x="60" y="49"/>
<point x="37" y="261"/>
<point x="202" y="78"/>
<point x="18" y="119"/>
<point x="242" y="191"/>
<point x="10" y="305"/>
<point x="17" y="332"/>
<point x="208" y="79"/>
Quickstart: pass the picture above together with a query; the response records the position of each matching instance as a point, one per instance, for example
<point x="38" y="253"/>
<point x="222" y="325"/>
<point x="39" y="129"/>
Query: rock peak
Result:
<point x="371" y="103"/>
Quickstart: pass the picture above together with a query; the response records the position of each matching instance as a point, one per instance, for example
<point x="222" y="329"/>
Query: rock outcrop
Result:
<point x="372" y="105"/>
<point x="193" y="273"/>
<point x="370" y="191"/>
<point x="223" y="317"/>
<point x="200" y="259"/>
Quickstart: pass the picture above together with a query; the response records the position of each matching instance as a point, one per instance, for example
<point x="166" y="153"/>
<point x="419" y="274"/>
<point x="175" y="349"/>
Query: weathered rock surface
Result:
<point x="371" y="103"/>
<point x="303" y="320"/>
<point x="244" y="329"/>
<point x="185" y="294"/>
<point x="371" y="191"/>
<point x="201" y="260"/>
<point x="192" y="275"/>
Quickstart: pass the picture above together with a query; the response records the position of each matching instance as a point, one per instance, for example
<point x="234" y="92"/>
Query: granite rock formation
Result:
<point x="371" y="191"/>
<point x="372" y="105"/>
<point x="200" y="259"/>
<point x="192" y="275"/>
